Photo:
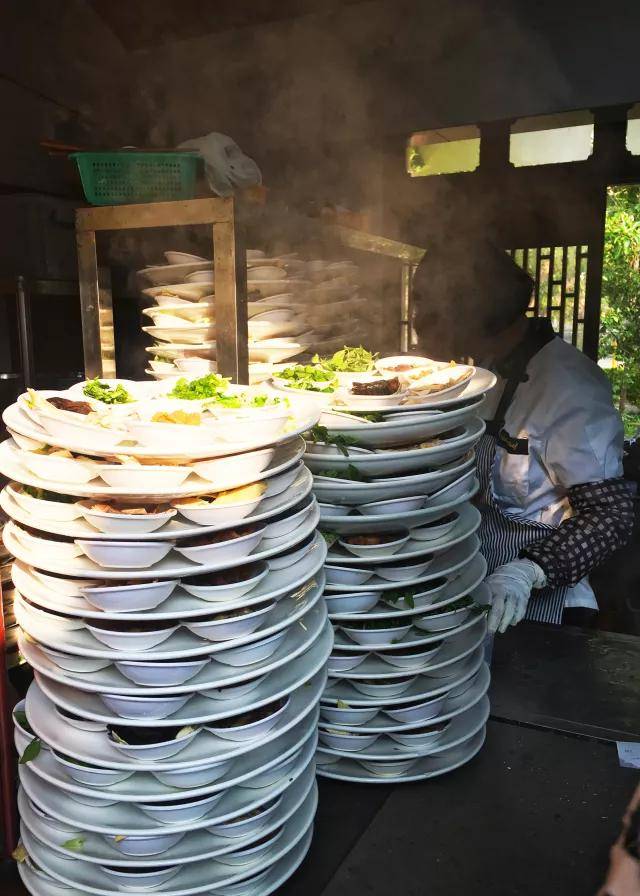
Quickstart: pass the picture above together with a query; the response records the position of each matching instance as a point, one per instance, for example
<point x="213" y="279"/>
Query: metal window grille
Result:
<point x="560" y="277"/>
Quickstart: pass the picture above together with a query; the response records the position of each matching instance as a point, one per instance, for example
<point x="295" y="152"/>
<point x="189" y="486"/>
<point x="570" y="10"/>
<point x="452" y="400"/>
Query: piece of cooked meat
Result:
<point x="65" y="404"/>
<point x="377" y="387"/>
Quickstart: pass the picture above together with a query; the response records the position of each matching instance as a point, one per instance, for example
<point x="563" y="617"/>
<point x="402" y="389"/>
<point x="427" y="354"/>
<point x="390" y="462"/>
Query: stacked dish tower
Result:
<point x="179" y="649"/>
<point x="294" y="307"/>
<point x="407" y="691"/>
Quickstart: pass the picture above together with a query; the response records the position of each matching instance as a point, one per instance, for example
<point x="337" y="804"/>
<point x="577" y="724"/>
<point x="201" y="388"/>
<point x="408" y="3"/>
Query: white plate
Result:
<point x="403" y="432"/>
<point x="398" y="462"/>
<point x="354" y="523"/>
<point x="332" y="491"/>
<point x="480" y="383"/>
<point x="168" y="274"/>
<point x="304" y="412"/>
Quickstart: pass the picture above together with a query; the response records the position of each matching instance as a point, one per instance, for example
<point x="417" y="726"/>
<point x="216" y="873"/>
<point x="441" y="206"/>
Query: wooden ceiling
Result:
<point x="140" y="24"/>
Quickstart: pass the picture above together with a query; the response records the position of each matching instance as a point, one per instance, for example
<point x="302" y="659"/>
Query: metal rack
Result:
<point x="230" y="276"/>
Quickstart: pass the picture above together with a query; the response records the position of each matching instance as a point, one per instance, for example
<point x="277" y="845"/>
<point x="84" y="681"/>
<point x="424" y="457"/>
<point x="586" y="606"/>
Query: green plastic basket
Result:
<point x="117" y="178"/>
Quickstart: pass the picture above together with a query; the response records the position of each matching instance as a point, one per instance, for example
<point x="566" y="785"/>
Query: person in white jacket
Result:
<point x="553" y="499"/>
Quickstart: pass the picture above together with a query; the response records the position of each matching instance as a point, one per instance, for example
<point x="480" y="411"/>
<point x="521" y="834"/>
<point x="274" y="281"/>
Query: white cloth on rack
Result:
<point x="226" y="166"/>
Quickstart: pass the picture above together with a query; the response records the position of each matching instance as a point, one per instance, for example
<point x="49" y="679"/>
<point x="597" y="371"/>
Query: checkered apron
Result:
<point x="503" y="537"/>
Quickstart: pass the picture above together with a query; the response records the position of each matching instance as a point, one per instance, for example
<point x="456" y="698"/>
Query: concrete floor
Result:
<point x="535" y="812"/>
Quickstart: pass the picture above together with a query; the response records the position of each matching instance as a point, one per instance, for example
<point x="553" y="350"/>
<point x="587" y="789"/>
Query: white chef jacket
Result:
<point x="575" y="436"/>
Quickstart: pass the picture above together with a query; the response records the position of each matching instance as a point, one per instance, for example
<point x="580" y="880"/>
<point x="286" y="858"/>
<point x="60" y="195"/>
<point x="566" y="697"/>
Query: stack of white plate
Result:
<point x="406" y="697"/>
<point x="168" y="740"/>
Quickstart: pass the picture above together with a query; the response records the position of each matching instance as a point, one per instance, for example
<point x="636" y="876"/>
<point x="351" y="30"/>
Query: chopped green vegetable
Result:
<point x="351" y="474"/>
<point x="309" y="376"/>
<point x="107" y="394"/>
<point x="41" y="494"/>
<point x="321" y="434"/>
<point x="342" y="705"/>
<point x="75" y="844"/>
<point x="405" y="596"/>
<point x="329" y="537"/>
<point x="163" y="359"/>
<point x="31" y="751"/>
<point x="348" y="360"/>
<point x="461" y="604"/>
<point x="243" y="400"/>
<point x="204" y="387"/>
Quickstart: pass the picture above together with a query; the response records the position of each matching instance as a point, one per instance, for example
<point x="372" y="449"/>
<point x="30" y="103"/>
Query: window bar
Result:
<point x="576" y="302"/>
<point x="536" y="290"/>
<point x="550" y="281"/>
<point x="563" y="291"/>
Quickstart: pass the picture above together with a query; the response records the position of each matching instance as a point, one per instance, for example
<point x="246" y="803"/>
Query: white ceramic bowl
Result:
<point x="218" y="551"/>
<point x="178" y="811"/>
<point x="367" y="551"/>
<point x="383" y="688"/>
<point x="345" y="662"/>
<point x="376" y="637"/>
<point x="387" y="768"/>
<point x="415" y="658"/>
<point x="393" y="506"/>
<point x="247" y="654"/>
<point x="139" y="880"/>
<point x="173" y="438"/>
<point x="197" y="366"/>
<point x="195" y="777"/>
<point x="58" y="469"/>
<point x="225" y="593"/>
<point x="422" y="599"/>
<point x="163" y="367"/>
<point x="440" y="622"/>
<point x="233" y="691"/>
<point x="124" y="523"/>
<point x="288" y="521"/>
<point x="293" y="556"/>
<point x="249" y="730"/>
<point x="249" y="855"/>
<point x="132" y="640"/>
<point x="48" y="547"/>
<point x="76" y="721"/>
<point x="153" y="477"/>
<point x="436" y="529"/>
<point x="44" y="509"/>
<point x="346" y="575"/>
<point x="418" y="711"/>
<point x="92" y="438"/>
<point x="347" y="741"/>
<point x="55" y="623"/>
<point x="144" y="707"/>
<point x="85" y="800"/>
<point x="125" y="554"/>
<point x="62" y="585"/>
<point x="51" y="822"/>
<point x="222" y="515"/>
<point x="183" y="257"/>
<point x="152" y="845"/>
<point x="277" y="772"/>
<point x="71" y="663"/>
<point x="237" y="468"/>
<point x="359" y="602"/>
<point x="404" y="570"/>
<point x="420" y="738"/>
<point x="230" y="627"/>
<point x="162" y="749"/>
<point x="160" y="674"/>
<point x="347" y="715"/>
<point x="129" y="598"/>
<point x="92" y="776"/>
<point x="247" y="824"/>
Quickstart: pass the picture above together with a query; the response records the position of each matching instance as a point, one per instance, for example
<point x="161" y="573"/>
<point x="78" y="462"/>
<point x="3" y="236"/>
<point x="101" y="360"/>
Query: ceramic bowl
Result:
<point x="222" y="551"/>
<point x="394" y="506"/>
<point x="51" y="546"/>
<point x="51" y="822"/>
<point x="179" y="811"/>
<point x="293" y="556"/>
<point x="346" y="741"/>
<point x="195" y="777"/>
<point x="173" y="438"/>
<point x="289" y="521"/>
<point x="403" y="570"/>
<point x="198" y="587"/>
<point x="418" y="711"/>
<point x="58" y="469"/>
<point x="125" y="554"/>
<point x="138" y="640"/>
<point x="56" y="623"/>
<point x="347" y="575"/>
<point x="440" y="622"/>
<point x="233" y="691"/>
<point x="231" y="729"/>
<point x="359" y="602"/>
<point x="132" y="879"/>
<point x="71" y="663"/>
<point x="44" y="509"/>
<point x="387" y="768"/>
<point x="84" y="800"/>
<point x="376" y="637"/>
<point x="454" y="490"/>
<point x="347" y="715"/>
<point x="247" y="654"/>
<point x="243" y="429"/>
<point x="76" y="721"/>
<point x="435" y="530"/>
<point x="144" y="707"/>
<point x="61" y="584"/>
<point x="277" y="772"/>
<point x="75" y="432"/>
<point x="222" y="515"/>
<point x="124" y="523"/>
<point x="196" y="366"/>
<point x="419" y="738"/>
<point x="153" y="477"/>
<point x="368" y="551"/>
<point x="92" y="776"/>
<point x="236" y="468"/>
<point x="249" y="855"/>
<point x="152" y="845"/>
<point x="132" y="598"/>
<point x="344" y="662"/>
<point x="230" y="626"/>
<point x="422" y="595"/>
<point x="411" y="657"/>
<point x="176" y="740"/>
<point x="161" y="674"/>
<point x="249" y="823"/>
<point x="384" y="688"/>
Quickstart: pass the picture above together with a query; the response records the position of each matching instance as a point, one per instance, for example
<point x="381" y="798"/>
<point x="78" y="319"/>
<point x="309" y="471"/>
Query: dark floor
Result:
<point x="534" y="813"/>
